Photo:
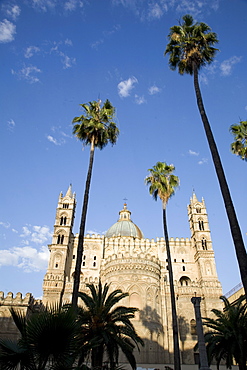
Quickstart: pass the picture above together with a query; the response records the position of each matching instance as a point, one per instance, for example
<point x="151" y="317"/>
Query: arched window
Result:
<point x="185" y="281"/>
<point x="63" y="220"/>
<point x="201" y="225"/>
<point x="60" y="239"/>
<point x="204" y="244"/>
<point x="198" y="210"/>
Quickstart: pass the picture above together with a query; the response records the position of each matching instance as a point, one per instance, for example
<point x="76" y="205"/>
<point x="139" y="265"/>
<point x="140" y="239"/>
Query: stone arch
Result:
<point x="57" y="259"/>
<point x="198" y="208"/>
<point x="185" y="281"/>
<point x="135" y="297"/>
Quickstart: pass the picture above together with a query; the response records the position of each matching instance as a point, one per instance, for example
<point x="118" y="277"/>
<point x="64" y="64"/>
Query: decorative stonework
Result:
<point x="138" y="266"/>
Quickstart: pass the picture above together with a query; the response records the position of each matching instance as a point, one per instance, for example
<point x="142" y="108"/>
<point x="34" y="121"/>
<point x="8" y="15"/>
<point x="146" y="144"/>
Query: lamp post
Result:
<point x="201" y="341"/>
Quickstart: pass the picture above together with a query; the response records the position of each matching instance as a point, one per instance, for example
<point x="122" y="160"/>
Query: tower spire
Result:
<point x="69" y="191"/>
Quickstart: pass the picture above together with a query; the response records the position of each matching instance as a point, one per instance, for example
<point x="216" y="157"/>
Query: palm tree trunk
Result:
<point x="97" y="357"/>
<point x="231" y="214"/>
<point x="82" y="230"/>
<point x="177" y="363"/>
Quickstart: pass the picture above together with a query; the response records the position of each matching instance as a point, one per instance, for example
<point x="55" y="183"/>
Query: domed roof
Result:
<point x="124" y="226"/>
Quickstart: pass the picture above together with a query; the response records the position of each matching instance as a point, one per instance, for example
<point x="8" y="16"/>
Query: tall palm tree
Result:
<point x="190" y="47"/>
<point x="105" y="328"/>
<point x="226" y="338"/>
<point x="162" y="183"/>
<point x="96" y="127"/>
<point x="239" y="146"/>
<point x="48" y="340"/>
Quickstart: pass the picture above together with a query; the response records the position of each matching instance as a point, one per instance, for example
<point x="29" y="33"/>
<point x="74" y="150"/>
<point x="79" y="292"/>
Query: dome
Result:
<point x="124" y="226"/>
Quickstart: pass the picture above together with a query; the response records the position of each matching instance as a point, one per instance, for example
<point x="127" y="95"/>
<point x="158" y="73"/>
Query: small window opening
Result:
<point x="56" y="265"/>
<point x="175" y="260"/>
<point x="204" y="244"/>
<point x="201" y="225"/>
<point x="182" y="260"/>
<point x="94" y="264"/>
<point x="83" y="263"/>
<point x="167" y="267"/>
<point x="94" y="258"/>
<point x="73" y="256"/>
<point x="183" y="268"/>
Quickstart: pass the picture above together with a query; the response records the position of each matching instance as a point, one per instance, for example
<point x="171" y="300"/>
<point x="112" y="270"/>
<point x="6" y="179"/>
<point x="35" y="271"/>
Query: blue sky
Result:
<point x="57" y="54"/>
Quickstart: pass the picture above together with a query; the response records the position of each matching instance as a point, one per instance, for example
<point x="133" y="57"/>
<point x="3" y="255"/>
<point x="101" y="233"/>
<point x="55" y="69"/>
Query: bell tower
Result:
<point x="61" y="249"/>
<point x="202" y="243"/>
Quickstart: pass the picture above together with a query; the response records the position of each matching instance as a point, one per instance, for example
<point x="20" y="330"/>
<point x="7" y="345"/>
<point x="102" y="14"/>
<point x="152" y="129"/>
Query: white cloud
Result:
<point x="40" y="234"/>
<point x="152" y="10"/>
<point x="7" y="31"/>
<point x="43" y="4"/>
<point x="156" y="11"/>
<point x="71" y="5"/>
<point x="13" y="11"/>
<point x="95" y="44"/>
<point x="27" y="258"/>
<point x="30" y="51"/>
<point x="191" y="152"/>
<point x="154" y="90"/>
<point x="52" y="140"/>
<point x="212" y="67"/>
<point x="203" y="79"/>
<point x="203" y="161"/>
<point x="65" y="59"/>
<point x="55" y="141"/>
<point x="124" y="87"/>
<point x="6" y="225"/>
<point x="106" y="34"/>
<point x="227" y="65"/>
<point x="28" y="74"/>
<point x="25" y="232"/>
<point x="11" y="124"/>
<point x="14" y="231"/>
<point x="140" y="99"/>
<point x="68" y="42"/>
<point x="35" y="234"/>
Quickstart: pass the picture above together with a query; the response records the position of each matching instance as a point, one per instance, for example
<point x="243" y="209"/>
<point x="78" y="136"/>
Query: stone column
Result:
<point x="201" y="341"/>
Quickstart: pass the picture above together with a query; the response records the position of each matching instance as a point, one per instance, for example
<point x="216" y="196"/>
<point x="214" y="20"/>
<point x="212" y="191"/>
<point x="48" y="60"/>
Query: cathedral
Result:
<point x="126" y="260"/>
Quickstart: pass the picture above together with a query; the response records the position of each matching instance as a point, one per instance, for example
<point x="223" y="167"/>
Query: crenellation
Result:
<point x="11" y="300"/>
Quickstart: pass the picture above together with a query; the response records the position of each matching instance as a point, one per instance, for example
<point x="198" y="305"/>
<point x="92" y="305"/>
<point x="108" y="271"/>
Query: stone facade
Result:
<point x="25" y="306"/>
<point x="139" y="266"/>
